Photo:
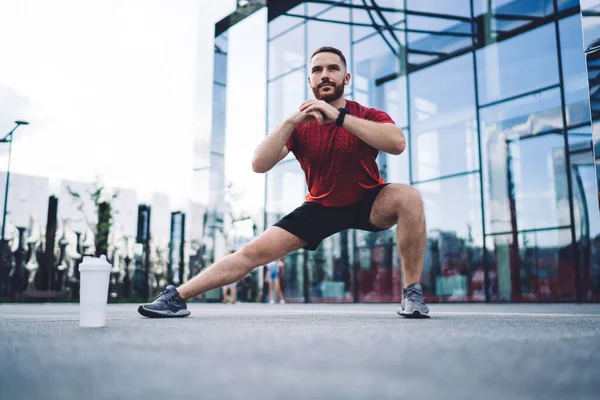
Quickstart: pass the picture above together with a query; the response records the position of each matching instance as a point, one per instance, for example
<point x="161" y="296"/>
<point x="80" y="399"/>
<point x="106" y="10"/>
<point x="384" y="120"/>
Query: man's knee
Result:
<point x="254" y="253"/>
<point x="412" y="198"/>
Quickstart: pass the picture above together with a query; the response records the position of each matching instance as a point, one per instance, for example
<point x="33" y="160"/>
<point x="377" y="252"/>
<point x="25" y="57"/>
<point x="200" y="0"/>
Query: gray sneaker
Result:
<point x="413" y="304"/>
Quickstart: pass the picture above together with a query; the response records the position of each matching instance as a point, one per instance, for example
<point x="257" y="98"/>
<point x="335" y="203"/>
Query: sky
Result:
<point x="120" y="88"/>
<point x="111" y="88"/>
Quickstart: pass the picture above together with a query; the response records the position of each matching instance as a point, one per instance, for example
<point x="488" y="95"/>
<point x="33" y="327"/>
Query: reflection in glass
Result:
<point x="532" y="266"/>
<point x="329" y="34"/>
<point x="510" y="15"/>
<point x="574" y="73"/>
<point x="330" y="270"/>
<point x="587" y="220"/>
<point x="395" y="168"/>
<point x="536" y="167"/>
<point x="519" y="139"/>
<point x="376" y="58"/>
<point x="378" y="267"/>
<point x="504" y="72"/>
<point x="395" y="100"/>
<point x="286" y="191"/>
<point x="443" y="127"/>
<point x="286" y="52"/>
<point x="453" y="266"/>
<point x="590" y="14"/>
<point x="286" y="94"/>
<point x="285" y="22"/>
<point x="507" y="123"/>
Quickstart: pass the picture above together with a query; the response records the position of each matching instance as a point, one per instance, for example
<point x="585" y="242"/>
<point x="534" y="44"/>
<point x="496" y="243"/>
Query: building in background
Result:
<point x="493" y="99"/>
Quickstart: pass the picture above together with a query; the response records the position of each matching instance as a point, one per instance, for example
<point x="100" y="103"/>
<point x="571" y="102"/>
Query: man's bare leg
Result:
<point x="272" y="244"/>
<point x="402" y="205"/>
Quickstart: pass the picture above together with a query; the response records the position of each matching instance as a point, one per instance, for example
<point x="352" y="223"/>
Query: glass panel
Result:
<point x="587" y="226"/>
<point x="329" y="270"/>
<point x="283" y="23"/>
<point x="443" y="121"/>
<point x="432" y="46"/>
<point x="591" y="26"/>
<point x="532" y="266"/>
<point x="286" y="52"/>
<point x="537" y="174"/>
<point x="519" y="65"/>
<point x="379" y="273"/>
<point x="506" y="123"/>
<point x="246" y="127"/>
<point x="335" y="13"/>
<point x="460" y="8"/>
<point x="587" y="219"/>
<point x="509" y="15"/>
<point x="374" y="58"/>
<point x="292" y="279"/>
<point x="395" y="168"/>
<point x="286" y="190"/>
<point x="593" y="69"/>
<point x="395" y="100"/>
<point x="286" y="94"/>
<point x="585" y="4"/>
<point x="360" y="32"/>
<point x="453" y="266"/>
<point x="565" y="4"/>
<point x="316" y="8"/>
<point x="580" y="137"/>
<point x="574" y="72"/>
<point x="330" y="34"/>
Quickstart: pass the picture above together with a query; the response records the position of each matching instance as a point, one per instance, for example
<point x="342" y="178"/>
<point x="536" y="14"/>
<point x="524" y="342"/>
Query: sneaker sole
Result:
<point x="162" y="314"/>
<point x="414" y="314"/>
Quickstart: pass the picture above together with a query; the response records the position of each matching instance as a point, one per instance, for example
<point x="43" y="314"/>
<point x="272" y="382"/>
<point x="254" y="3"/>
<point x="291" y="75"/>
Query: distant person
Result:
<point x="336" y="141"/>
<point x="230" y="293"/>
<point x="274" y="269"/>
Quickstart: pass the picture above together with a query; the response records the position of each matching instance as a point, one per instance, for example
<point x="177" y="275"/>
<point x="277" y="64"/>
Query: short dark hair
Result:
<point x="329" y="49"/>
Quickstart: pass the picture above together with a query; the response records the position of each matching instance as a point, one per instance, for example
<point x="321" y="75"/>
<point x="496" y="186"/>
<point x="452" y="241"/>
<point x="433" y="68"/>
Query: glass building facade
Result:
<point x="493" y="98"/>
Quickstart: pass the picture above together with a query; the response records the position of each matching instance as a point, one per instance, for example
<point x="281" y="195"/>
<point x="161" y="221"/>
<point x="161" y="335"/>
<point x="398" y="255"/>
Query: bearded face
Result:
<point x="328" y="76"/>
<point x="328" y="90"/>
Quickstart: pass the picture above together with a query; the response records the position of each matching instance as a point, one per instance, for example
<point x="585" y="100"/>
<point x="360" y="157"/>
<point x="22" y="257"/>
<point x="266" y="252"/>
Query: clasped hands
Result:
<point x="319" y="110"/>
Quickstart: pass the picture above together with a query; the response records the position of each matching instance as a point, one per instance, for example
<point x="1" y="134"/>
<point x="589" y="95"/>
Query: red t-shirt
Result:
<point x="339" y="167"/>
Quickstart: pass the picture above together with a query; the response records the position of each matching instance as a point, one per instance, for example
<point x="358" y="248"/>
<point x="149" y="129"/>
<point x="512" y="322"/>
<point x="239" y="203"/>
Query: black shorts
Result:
<point x="313" y="222"/>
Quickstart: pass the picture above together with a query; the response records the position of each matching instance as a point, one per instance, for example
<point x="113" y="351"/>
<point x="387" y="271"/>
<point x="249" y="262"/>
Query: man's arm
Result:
<point x="273" y="149"/>
<point x="383" y="136"/>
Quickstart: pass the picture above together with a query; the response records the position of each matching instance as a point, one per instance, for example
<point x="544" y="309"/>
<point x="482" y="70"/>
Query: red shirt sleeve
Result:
<point x="378" y="116"/>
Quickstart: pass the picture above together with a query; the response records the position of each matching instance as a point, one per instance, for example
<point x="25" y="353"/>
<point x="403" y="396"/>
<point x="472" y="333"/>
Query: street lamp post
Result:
<point x="8" y="138"/>
<point x="4" y="251"/>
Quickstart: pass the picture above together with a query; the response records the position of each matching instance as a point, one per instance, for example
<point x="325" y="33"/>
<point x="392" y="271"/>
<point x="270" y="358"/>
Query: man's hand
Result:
<point x="303" y="117"/>
<point x="330" y="112"/>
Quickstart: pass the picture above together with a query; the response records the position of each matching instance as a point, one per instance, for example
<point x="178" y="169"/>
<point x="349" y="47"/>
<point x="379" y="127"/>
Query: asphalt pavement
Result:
<point x="303" y="351"/>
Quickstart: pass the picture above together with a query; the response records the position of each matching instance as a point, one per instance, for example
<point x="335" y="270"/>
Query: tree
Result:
<point x="102" y="200"/>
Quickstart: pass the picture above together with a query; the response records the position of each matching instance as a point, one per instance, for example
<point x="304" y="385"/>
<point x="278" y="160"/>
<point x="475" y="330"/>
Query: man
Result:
<point x="336" y="142"/>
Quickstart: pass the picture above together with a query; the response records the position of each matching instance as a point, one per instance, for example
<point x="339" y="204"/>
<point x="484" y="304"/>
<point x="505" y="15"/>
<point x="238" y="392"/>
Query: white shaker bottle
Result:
<point x="94" y="274"/>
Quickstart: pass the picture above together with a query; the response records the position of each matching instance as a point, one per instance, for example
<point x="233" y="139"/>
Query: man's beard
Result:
<point x="338" y="92"/>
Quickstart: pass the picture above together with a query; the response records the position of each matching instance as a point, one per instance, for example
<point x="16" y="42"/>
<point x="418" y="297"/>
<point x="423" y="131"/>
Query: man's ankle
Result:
<point x="180" y="296"/>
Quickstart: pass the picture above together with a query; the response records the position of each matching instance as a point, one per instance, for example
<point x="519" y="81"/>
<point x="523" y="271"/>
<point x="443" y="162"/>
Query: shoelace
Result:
<point x="414" y="295"/>
<point x="165" y="296"/>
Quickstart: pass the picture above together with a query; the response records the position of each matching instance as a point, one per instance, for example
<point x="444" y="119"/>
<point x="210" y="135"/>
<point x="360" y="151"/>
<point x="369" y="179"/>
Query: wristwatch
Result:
<point x="340" y="119"/>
